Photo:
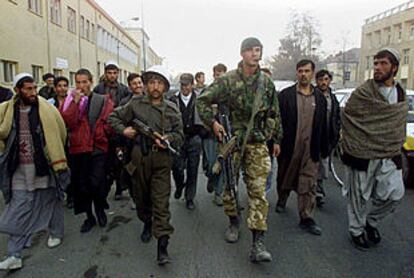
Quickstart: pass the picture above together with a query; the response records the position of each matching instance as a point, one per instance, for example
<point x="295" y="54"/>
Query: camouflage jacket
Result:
<point x="165" y="119"/>
<point x="237" y="92"/>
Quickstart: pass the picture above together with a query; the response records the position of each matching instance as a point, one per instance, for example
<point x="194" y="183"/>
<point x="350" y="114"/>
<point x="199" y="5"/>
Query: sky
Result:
<point x="194" y="35"/>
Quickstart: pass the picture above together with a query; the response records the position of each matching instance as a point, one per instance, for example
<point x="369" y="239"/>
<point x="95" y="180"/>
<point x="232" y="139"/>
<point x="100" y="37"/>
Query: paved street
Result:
<point x="198" y="248"/>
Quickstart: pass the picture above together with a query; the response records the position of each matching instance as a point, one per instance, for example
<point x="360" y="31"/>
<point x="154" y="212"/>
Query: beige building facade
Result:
<point x="392" y="28"/>
<point x="61" y="36"/>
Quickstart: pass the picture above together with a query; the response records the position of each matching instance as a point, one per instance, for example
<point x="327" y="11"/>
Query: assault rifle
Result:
<point x="226" y="159"/>
<point x="146" y="130"/>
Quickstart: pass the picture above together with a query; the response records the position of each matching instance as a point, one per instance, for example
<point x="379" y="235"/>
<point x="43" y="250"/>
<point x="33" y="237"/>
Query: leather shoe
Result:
<point x="309" y="225"/>
<point x="146" y="232"/>
<point x="359" y="242"/>
<point x="280" y="208"/>
<point x="190" y="205"/>
<point x="102" y="219"/>
<point x="88" y="224"/>
<point x="178" y="193"/>
<point x="373" y="234"/>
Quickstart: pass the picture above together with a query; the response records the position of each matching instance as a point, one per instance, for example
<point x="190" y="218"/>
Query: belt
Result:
<point x="155" y="148"/>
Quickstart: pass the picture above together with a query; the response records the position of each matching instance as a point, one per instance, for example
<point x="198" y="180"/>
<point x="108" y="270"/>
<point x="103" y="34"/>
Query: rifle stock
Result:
<point x="227" y="162"/>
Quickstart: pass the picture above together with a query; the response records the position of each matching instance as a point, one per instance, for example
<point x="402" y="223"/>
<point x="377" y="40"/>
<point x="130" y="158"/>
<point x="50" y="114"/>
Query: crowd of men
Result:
<point x="77" y="143"/>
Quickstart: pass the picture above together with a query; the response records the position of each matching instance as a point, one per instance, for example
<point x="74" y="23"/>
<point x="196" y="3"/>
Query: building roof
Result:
<point x="396" y="10"/>
<point x="351" y="56"/>
<point x="108" y="17"/>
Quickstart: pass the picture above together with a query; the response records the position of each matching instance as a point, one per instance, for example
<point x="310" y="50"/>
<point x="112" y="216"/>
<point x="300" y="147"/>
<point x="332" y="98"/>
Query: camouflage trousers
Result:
<point x="256" y="167"/>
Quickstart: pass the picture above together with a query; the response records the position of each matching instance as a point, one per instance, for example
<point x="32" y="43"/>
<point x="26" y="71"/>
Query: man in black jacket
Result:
<point x="189" y="158"/>
<point x="323" y="81"/>
<point x="303" y="113"/>
<point x="110" y="84"/>
<point x="48" y="91"/>
<point x="116" y="91"/>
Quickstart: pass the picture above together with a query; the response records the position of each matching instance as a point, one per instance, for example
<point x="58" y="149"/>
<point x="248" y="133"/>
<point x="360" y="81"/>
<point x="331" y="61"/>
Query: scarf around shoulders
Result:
<point x="372" y="128"/>
<point x="54" y="131"/>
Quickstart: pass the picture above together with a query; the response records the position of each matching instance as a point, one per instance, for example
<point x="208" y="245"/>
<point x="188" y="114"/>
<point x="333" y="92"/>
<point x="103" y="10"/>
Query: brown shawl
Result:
<point x="372" y="128"/>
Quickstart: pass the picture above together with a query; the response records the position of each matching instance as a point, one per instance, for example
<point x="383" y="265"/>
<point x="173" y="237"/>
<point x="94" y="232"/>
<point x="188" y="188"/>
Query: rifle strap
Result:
<point x="258" y="101"/>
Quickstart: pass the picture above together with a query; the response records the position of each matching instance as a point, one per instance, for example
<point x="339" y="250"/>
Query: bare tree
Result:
<point x="302" y="41"/>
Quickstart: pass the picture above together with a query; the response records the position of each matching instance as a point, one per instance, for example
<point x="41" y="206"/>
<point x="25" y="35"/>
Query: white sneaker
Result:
<point x="52" y="242"/>
<point x="11" y="262"/>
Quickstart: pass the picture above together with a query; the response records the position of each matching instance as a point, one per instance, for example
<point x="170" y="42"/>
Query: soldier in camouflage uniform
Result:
<point x="238" y="90"/>
<point x="150" y="164"/>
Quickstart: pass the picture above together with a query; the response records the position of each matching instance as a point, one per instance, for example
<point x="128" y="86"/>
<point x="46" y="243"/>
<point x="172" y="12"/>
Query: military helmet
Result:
<point x="158" y="70"/>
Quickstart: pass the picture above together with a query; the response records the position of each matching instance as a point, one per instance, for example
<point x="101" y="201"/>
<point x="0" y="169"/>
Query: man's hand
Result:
<point x="129" y="132"/>
<point x="77" y="95"/>
<point x="219" y="131"/>
<point x="276" y="150"/>
<point x="159" y="144"/>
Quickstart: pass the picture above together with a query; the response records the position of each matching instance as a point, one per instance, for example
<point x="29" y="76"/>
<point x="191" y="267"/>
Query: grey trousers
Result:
<point x="29" y="212"/>
<point x="373" y="194"/>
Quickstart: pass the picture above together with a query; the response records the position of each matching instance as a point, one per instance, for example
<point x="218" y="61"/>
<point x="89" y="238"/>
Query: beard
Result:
<point x="29" y="100"/>
<point x="384" y="77"/>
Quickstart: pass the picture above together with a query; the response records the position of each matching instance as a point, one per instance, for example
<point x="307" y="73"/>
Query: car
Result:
<point x="283" y="84"/>
<point x="342" y="95"/>
<point x="408" y="147"/>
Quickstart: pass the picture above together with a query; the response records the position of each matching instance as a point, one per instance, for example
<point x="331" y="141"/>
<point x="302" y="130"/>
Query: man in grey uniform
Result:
<point x="374" y="127"/>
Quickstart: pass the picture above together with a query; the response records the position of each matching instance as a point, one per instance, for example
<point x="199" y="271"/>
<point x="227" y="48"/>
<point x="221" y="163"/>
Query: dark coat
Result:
<point x="289" y="115"/>
<point x="5" y="94"/>
<point x="335" y="123"/>
<point x="122" y="92"/>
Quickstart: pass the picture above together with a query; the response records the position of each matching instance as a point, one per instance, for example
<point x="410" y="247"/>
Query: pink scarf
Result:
<point x="83" y="103"/>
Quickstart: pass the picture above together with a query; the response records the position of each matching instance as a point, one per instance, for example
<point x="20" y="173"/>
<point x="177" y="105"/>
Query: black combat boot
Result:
<point x="146" y="232"/>
<point x="258" y="252"/>
<point x="163" y="257"/>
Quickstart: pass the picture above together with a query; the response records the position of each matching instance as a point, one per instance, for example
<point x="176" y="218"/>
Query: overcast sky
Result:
<point x="194" y="35"/>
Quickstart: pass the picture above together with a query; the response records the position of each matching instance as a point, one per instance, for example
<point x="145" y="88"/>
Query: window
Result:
<point x="368" y="60"/>
<point x="412" y="31"/>
<point x="398" y="32"/>
<point x="34" y="6"/>
<point x="406" y="56"/>
<point x="92" y="36"/>
<point x="378" y="38"/>
<point x="8" y="70"/>
<point x="37" y="72"/>
<point x="82" y="26"/>
<point x="71" y="20"/>
<point x="87" y="31"/>
<point x="72" y="79"/>
<point x="387" y="33"/>
<point x="347" y="76"/>
<point x="55" y="12"/>
<point x="57" y="72"/>
<point x="99" y="69"/>
<point x="369" y="40"/>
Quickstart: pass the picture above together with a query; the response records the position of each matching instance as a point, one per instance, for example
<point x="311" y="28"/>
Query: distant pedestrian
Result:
<point x="48" y="91"/>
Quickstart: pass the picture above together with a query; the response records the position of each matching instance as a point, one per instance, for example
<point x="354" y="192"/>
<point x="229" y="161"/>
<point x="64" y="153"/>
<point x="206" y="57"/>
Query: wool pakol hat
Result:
<point x="250" y="43"/>
<point x="111" y="63"/>
<point x="19" y="77"/>
<point x="393" y="52"/>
